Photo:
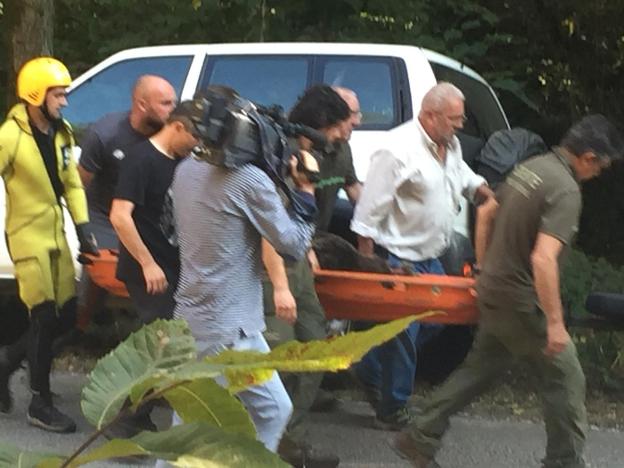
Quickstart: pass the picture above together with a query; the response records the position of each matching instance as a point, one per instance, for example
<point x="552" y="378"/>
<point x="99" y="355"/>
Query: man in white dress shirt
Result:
<point x="407" y="207"/>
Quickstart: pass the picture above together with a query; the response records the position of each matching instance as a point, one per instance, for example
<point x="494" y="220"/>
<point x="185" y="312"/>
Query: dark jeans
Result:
<point x="391" y="367"/>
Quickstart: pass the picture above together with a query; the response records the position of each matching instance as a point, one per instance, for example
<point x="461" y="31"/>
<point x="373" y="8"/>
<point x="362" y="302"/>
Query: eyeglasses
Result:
<point x="602" y="162"/>
<point x="357" y="114"/>
<point x="457" y="118"/>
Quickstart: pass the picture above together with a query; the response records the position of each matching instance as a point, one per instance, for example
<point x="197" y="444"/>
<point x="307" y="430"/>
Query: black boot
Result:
<point x="302" y="455"/>
<point x="41" y="413"/>
<point x="132" y="424"/>
<point x="11" y="357"/>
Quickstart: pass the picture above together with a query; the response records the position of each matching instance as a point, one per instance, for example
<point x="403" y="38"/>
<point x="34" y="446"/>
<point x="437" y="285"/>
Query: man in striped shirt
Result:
<point x="221" y="217"/>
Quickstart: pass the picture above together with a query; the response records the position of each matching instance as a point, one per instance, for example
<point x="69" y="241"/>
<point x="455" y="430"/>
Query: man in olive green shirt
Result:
<point x="290" y="293"/>
<point x="521" y="317"/>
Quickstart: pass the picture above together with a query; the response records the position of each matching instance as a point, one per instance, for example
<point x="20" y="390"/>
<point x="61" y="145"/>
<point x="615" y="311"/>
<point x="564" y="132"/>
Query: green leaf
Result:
<point x="190" y="445"/>
<point x="204" y="400"/>
<point x="153" y="351"/>
<point x="12" y="457"/>
<point x="244" y="369"/>
<point x="514" y="87"/>
<point x="112" y="449"/>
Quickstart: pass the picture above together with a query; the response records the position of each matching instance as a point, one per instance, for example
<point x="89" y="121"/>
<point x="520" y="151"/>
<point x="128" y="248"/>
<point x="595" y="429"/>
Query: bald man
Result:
<point x="350" y="97"/>
<point x="343" y="209"/>
<point x="103" y="148"/>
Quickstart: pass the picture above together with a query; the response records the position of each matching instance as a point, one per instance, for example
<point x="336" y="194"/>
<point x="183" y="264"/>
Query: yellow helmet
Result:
<point x="38" y="75"/>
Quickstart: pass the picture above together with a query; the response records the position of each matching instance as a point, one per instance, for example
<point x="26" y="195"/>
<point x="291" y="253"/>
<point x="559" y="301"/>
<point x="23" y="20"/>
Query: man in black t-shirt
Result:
<point x="140" y="213"/>
<point x="148" y="261"/>
<point x="104" y="147"/>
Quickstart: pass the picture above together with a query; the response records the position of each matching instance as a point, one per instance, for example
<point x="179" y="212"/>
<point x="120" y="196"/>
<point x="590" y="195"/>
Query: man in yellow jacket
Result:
<point x="39" y="173"/>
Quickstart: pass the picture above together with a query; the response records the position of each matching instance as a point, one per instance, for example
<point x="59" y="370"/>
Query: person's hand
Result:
<point x="366" y="246"/>
<point x="155" y="279"/>
<point x="285" y="305"/>
<point x="299" y="177"/>
<point x="313" y="260"/>
<point x="557" y="339"/>
<point x="86" y="239"/>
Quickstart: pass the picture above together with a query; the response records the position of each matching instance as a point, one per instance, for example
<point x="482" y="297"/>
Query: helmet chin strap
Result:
<point x="54" y="121"/>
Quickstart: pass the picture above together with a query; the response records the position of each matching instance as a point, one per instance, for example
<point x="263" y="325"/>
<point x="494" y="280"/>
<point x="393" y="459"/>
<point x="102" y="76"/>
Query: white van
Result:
<point x="390" y="81"/>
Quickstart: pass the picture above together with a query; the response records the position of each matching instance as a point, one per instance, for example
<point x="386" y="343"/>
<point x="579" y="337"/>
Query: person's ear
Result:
<point x="179" y="126"/>
<point x="141" y="104"/>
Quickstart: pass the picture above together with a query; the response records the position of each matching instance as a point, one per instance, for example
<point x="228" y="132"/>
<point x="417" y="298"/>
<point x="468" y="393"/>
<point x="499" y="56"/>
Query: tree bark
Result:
<point x="29" y="33"/>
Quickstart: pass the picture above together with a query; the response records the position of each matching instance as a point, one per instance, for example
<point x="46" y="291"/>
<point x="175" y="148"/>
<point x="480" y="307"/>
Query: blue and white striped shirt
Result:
<point x="221" y="216"/>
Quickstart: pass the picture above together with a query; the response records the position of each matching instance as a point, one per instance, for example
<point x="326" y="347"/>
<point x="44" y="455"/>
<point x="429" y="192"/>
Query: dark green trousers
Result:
<point x="310" y="325"/>
<point x="504" y="337"/>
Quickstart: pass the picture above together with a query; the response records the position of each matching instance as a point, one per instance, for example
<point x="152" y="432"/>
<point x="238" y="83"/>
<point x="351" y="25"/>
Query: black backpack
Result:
<point x="504" y="150"/>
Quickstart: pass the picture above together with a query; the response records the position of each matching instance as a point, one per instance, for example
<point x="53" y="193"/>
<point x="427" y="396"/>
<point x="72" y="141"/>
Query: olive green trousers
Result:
<point x="503" y="338"/>
<point x="310" y="325"/>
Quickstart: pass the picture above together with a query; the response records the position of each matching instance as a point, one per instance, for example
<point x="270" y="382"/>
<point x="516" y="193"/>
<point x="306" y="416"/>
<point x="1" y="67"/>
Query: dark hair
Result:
<point x="319" y="107"/>
<point x="216" y="89"/>
<point x="186" y="112"/>
<point x="594" y="133"/>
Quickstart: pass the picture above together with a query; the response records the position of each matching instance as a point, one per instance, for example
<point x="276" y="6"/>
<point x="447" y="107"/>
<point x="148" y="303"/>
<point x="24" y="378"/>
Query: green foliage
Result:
<point x="188" y="401"/>
<point x="13" y="457"/>
<point x="196" y="444"/>
<point x="601" y="352"/>
<point x="243" y="369"/>
<point x="159" y="360"/>
<point x="144" y="356"/>
<point x="582" y="274"/>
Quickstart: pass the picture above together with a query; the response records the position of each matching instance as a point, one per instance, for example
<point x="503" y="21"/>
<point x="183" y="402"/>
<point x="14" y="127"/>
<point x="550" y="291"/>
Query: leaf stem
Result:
<point x="93" y="437"/>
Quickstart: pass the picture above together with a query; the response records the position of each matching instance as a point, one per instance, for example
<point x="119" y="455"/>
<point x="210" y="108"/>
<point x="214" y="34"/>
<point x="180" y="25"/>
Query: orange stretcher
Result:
<point x="354" y="295"/>
<point x="382" y="297"/>
<point x="102" y="271"/>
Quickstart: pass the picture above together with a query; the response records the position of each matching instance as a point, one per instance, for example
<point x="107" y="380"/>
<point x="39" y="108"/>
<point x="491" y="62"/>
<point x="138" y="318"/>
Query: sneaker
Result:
<point x="395" y="421"/>
<point x="48" y="418"/>
<point x="404" y="446"/>
<point x="304" y="456"/>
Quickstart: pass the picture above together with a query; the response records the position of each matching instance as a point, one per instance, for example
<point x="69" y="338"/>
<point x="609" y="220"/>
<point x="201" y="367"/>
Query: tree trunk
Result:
<point x="29" y="33"/>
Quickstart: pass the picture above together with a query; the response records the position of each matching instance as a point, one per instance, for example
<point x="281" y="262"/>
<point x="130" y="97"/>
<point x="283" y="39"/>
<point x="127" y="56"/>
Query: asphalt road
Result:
<point x="471" y="442"/>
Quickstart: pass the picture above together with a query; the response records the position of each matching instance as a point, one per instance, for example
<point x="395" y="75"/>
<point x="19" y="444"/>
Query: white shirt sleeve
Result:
<point x="470" y="181"/>
<point x="377" y="194"/>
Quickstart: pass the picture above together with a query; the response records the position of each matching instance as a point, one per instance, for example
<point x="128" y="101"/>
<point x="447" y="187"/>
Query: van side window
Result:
<point x="110" y="90"/>
<point x="372" y="79"/>
<point x="265" y="80"/>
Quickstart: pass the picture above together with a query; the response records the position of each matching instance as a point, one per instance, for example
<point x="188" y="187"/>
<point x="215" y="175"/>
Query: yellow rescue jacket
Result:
<point x="33" y="214"/>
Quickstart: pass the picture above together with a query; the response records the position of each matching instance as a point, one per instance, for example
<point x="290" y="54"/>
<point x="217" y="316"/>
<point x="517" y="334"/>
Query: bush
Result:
<point x="601" y="352"/>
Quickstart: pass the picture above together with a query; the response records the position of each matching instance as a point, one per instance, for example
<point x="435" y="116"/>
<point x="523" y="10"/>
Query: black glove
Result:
<point x="88" y="244"/>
